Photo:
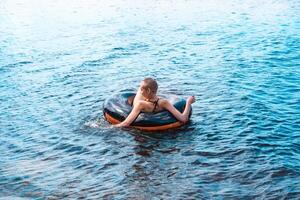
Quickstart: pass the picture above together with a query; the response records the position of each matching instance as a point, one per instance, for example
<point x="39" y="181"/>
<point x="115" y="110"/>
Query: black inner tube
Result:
<point x="119" y="108"/>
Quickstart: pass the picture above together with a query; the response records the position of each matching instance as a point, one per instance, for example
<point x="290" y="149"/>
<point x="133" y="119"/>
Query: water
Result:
<point x="59" y="61"/>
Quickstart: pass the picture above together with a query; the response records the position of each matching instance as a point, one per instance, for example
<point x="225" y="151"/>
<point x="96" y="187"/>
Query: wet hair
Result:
<point x="151" y="84"/>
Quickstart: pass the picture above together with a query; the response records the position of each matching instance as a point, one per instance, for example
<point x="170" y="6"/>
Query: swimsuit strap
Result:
<point x="155" y="104"/>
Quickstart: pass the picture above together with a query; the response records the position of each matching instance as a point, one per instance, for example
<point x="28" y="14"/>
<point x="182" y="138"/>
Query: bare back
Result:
<point x="148" y="105"/>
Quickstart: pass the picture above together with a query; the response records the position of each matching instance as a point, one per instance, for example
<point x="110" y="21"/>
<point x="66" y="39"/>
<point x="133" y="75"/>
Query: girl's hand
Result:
<point x="191" y="99"/>
<point x="118" y="125"/>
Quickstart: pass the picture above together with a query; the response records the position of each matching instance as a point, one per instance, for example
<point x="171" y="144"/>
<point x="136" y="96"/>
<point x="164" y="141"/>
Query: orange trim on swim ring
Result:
<point x="174" y="125"/>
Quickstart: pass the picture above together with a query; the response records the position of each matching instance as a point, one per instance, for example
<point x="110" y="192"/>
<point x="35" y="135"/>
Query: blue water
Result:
<point x="59" y="61"/>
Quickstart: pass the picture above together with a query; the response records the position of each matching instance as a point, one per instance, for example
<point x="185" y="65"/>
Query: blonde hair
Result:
<point x="151" y="84"/>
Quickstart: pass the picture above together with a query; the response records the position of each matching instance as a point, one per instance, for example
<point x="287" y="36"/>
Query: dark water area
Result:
<point x="60" y="60"/>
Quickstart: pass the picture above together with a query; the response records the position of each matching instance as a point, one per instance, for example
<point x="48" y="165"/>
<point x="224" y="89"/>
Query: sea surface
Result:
<point x="60" y="60"/>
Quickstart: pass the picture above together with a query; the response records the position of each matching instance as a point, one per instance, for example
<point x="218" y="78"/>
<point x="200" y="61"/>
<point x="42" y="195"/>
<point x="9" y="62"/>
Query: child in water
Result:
<point x="146" y="100"/>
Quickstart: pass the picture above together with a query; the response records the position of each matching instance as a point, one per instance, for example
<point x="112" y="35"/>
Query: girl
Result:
<point x="146" y="100"/>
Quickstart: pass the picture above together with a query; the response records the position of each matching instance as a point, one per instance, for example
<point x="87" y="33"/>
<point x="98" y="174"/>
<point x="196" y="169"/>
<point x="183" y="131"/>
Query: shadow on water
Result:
<point x="149" y="156"/>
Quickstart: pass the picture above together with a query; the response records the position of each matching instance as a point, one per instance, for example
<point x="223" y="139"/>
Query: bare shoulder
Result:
<point x="140" y="104"/>
<point x="164" y="102"/>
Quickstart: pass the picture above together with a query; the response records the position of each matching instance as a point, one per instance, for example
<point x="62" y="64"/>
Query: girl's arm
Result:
<point x="132" y="116"/>
<point x="183" y="117"/>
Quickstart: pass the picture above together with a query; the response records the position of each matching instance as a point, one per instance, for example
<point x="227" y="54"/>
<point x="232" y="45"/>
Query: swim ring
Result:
<point x="117" y="108"/>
